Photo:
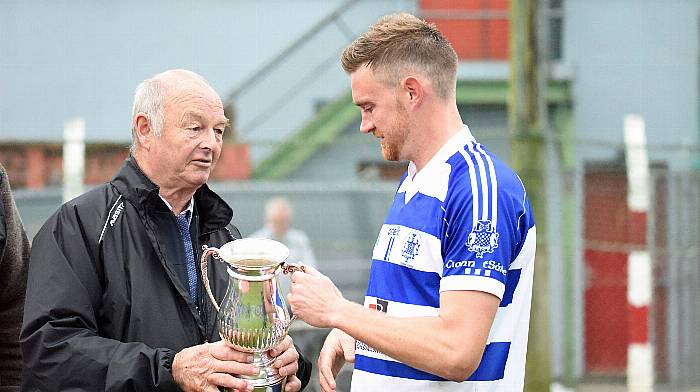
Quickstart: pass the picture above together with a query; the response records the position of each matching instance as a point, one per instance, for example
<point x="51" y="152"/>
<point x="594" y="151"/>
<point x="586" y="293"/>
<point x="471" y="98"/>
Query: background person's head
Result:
<point x="177" y="129"/>
<point x="278" y="216"/>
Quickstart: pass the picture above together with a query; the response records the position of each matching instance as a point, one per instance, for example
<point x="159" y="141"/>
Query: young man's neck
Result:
<point x="438" y="126"/>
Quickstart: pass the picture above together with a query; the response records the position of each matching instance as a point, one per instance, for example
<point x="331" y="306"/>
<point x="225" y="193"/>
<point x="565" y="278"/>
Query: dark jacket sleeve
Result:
<point x="60" y="340"/>
<point x="304" y="371"/>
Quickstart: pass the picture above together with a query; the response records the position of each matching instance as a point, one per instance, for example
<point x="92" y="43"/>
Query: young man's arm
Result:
<point x="449" y="345"/>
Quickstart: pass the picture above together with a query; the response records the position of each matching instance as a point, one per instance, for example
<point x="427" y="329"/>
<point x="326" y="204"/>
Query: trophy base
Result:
<point x="277" y="386"/>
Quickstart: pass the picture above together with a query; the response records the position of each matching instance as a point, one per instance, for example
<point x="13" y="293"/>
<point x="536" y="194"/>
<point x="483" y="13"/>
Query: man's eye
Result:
<point x="194" y="129"/>
<point x="219" y="131"/>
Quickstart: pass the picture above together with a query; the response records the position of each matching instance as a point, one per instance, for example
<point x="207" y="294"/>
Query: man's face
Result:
<point x="382" y="114"/>
<point x="189" y="147"/>
<point x="278" y="219"/>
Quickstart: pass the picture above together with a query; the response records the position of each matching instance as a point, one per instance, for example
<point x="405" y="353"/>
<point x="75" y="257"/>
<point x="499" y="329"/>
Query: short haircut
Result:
<point x="399" y="44"/>
<point x="149" y="98"/>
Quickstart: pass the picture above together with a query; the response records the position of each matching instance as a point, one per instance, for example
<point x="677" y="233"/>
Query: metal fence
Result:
<point x="682" y="278"/>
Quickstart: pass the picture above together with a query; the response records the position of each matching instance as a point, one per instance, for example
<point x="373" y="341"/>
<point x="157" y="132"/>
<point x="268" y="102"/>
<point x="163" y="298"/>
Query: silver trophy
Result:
<point x="253" y="315"/>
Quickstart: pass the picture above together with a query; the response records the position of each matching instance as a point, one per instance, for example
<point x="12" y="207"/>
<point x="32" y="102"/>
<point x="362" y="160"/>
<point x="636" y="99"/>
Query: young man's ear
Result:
<point x="143" y="130"/>
<point x="413" y="91"/>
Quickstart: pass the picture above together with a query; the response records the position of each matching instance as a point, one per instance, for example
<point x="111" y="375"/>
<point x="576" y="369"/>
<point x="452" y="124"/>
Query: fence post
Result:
<point x="640" y="351"/>
<point x="73" y="157"/>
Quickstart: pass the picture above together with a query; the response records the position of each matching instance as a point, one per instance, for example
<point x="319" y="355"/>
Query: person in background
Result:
<point x="14" y="262"/>
<point x="278" y="226"/>
<point x="447" y="306"/>
<point x="115" y="300"/>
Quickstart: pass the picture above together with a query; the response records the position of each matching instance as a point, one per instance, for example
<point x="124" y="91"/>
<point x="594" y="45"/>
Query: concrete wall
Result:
<point x="635" y="56"/>
<point x="60" y="59"/>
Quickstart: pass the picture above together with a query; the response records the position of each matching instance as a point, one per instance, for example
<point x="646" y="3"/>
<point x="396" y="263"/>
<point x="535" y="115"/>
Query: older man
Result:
<point x="114" y="300"/>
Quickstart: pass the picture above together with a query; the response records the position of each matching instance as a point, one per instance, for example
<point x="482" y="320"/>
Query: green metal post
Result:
<point x="528" y="153"/>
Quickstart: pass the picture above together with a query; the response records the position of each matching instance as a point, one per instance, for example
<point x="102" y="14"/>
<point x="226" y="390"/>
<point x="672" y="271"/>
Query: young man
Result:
<point x="114" y="298"/>
<point x="448" y="301"/>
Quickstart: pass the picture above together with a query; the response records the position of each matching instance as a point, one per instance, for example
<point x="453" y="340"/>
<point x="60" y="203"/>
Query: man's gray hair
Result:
<point x="149" y="99"/>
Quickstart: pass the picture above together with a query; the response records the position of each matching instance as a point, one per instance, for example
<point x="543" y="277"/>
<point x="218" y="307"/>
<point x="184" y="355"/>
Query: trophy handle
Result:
<point x="205" y="277"/>
<point x="288" y="268"/>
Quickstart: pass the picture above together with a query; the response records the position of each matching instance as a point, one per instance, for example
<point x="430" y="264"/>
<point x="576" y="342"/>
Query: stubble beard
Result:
<point x="392" y="147"/>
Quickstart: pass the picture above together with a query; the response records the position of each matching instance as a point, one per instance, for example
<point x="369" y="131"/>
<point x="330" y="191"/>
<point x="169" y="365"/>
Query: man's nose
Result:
<point x="209" y="139"/>
<point x="366" y="125"/>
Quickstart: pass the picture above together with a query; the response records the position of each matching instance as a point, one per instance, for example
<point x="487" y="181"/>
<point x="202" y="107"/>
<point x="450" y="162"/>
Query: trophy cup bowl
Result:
<point x="253" y="315"/>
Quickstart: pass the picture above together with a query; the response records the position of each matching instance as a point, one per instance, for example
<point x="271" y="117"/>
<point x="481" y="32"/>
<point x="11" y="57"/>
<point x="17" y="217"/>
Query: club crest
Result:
<point x="410" y="250"/>
<point x="483" y="238"/>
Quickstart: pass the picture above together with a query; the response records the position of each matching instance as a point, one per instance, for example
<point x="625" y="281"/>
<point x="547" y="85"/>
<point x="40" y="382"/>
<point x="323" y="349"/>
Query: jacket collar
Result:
<point x="133" y="184"/>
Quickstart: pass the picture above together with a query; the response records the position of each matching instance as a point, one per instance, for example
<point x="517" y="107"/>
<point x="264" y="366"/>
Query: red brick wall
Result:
<point x="473" y="38"/>
<point x="37" y="165"/>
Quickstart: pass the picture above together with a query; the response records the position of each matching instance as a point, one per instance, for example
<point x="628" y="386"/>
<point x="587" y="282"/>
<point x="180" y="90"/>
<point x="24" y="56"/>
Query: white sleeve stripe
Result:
<point x="527" y="251"/>
<point x="109" y="215"/>
<point x="484" y="183"/>
<point x="475" y="190"/>
<point x="472" y="283"/>
<point x="524" y="201"/>
<point x="494" y="185"/>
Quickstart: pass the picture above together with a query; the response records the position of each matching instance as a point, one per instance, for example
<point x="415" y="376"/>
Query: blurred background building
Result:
<point x="295" y="133"/>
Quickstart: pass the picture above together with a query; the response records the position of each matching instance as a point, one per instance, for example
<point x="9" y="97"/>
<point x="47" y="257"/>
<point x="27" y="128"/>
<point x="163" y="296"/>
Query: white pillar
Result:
<point x="73" y="157"/>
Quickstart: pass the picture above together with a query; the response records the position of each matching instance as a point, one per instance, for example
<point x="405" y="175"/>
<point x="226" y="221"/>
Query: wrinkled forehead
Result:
<point x="195" y="99"/>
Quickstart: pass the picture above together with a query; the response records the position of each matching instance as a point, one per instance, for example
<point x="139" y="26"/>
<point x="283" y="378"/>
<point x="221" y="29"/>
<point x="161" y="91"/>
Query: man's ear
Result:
<point x="143" y="130"/>
<point x="412" y="91"/>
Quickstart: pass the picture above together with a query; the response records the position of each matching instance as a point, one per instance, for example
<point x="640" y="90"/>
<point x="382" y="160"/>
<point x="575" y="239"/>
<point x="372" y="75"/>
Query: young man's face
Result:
<point x="189" y="147"/>
<point x="382" y="114"/>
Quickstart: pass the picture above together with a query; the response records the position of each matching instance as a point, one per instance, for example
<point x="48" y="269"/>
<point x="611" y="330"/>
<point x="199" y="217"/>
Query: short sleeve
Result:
<point x="478" y="246"/>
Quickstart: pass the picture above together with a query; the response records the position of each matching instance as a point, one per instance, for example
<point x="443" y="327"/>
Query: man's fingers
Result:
<point x="287" y="357"/>
<point x="308" y="270"/>
<point x="327" y="384"/>
<point x="283" y="346"/>
<point x="293" y="384"/>
<point x="229" y="381"/>
<point x="221" y="350"/>
<point x="325" y="371"/>
<point x="289" y="369"/>
<point x="311" y="270"/>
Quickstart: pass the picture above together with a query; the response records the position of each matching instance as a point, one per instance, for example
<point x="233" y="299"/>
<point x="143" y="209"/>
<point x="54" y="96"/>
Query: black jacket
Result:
<point x="106" y="308"/>
<point x="14" y="258"/>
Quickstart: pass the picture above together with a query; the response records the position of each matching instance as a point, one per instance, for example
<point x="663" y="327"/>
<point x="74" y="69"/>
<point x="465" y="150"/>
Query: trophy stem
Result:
<point x="268" y="380"/>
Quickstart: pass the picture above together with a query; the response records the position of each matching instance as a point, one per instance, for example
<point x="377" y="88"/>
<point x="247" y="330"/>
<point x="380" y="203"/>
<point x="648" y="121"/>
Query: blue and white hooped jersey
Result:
<point x="464" y="222"/>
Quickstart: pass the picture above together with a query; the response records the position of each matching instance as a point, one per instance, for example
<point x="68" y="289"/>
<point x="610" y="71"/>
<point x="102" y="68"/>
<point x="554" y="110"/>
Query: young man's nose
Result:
<point x="366" y="126"/>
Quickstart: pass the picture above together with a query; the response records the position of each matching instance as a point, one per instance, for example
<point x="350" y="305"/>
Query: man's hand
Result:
<point x="314" y="298"/>
<point x="287" y="363"/>
<point x="209" y="365"/>
<point x="338" y="348"/>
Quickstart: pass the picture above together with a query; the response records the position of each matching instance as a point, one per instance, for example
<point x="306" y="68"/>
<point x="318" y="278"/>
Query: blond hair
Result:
<point x="399" y="44"/>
